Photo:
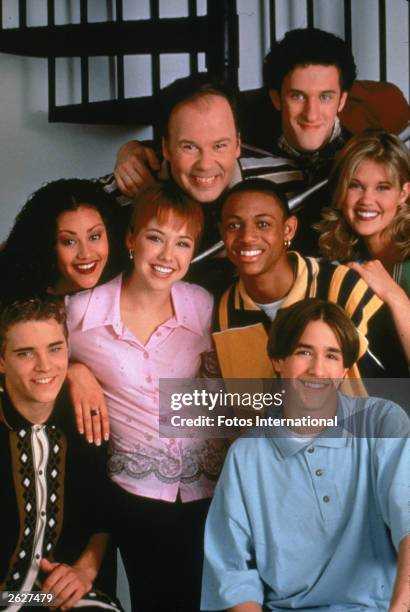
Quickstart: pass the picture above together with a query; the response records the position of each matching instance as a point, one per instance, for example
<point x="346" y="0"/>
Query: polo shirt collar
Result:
<point x="104" y="308"/>
<point x="297" y="292"/>
<point x="331" y="437"/>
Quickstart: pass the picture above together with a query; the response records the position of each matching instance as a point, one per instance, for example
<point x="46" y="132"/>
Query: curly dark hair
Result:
<point x="260" y="185"/>
<point x="28" y="261"/>
<point x="302" y="47"/>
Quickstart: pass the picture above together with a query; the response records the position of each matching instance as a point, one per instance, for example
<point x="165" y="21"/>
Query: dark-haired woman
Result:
<point x="67" y="237"/>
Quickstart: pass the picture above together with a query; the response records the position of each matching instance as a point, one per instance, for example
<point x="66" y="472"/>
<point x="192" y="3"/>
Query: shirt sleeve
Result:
<point x="209" y="308"/>
<point x="109" y="184"/>
<point x="392" y="465"/>
<point x="230" y="575"/>
<point x="204" y="305"/>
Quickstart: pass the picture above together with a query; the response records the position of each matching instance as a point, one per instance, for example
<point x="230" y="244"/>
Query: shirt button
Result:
<point x="148" y="379"/>
<point x="43" y="513"/>
<point x="326" y="499"/>
<point x="319" y="472"/>
<point x="37" y="556"/>
<point x="145" y="355"/>
<point x="311" y="450"/>
<point x="40" y="472"/>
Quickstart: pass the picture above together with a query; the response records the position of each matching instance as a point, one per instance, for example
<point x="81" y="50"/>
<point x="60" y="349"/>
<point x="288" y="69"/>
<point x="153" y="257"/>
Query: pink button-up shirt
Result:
<point x="129" y="372"/>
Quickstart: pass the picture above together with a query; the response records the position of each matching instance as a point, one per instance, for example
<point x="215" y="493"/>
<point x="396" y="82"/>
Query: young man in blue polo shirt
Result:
<point x="312" y="518"/>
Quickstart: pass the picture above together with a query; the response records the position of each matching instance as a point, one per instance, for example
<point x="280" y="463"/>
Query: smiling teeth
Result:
<point x="251" y="253"/>
<point x="367" y="214"/>
<point x="162" y="270"/>
<point x="43" y="381"/>
<point x="86" y="266"/>
<point x="313" y="385"/>
<point x="204" y="180"/>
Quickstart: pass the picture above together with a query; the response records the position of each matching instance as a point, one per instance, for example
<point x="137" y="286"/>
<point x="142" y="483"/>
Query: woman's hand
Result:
<point x="380" y="281"/>
<point x="88" y="400"/>
<point x="67" y="583"/>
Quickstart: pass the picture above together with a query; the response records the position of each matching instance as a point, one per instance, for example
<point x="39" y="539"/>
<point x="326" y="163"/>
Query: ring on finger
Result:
<point x="94" y="412"/>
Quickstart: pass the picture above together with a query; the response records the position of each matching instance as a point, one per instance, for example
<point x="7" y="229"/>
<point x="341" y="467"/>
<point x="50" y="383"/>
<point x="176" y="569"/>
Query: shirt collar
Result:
<point x="104" y="308"/>
<point x="331" y="437"/>
<point x="184" y="308"/>
<point x="297" y="292"/>
<point x="61" y="415"/>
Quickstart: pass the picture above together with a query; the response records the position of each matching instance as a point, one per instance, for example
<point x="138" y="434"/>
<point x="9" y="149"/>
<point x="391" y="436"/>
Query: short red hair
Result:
<point x="163" y="201"/>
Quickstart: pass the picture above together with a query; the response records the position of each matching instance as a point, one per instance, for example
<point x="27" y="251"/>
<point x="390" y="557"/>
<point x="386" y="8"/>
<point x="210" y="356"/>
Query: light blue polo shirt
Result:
<point x="315" y="527"/>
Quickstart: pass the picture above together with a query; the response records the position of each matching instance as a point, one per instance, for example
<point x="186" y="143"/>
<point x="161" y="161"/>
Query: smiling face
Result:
<point x="254" y="229"/>
<point x="34" y="362"/>
<point x="372" y="199"/>
<point x="81" y="248"/>
<point x="315" y="365"/>
<point x="202" y="146"/>
<point x="162" y="253"/>
<point x="309" y="101"/>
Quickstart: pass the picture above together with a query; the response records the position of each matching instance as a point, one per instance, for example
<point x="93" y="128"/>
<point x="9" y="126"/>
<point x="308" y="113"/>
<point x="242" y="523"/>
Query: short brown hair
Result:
<point x="292" y="321"/>
<point x="189" y="89"/>
<point x="160" y="201"/>
<point x="34" y="309"/>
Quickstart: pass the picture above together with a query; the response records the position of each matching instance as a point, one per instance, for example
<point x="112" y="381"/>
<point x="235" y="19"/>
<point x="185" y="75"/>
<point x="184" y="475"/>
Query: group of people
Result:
<point x="300" y="520"/>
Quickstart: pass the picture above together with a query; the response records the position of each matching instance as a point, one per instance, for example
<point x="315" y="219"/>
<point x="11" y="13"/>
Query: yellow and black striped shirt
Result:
<point x="240" y="331"/>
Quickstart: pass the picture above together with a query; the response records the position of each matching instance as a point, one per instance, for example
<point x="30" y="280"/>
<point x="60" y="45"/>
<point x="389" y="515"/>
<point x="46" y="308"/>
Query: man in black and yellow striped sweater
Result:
<point x="257" y="229"/>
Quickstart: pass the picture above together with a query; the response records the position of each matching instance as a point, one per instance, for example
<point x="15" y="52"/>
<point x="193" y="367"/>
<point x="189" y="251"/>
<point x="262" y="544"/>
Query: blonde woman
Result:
<point x="370" y="219"/>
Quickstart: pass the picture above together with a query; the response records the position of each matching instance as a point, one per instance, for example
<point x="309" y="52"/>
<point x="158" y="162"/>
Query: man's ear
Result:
<point x="275" y="99"/>
<point x="165" y="150"/>
<point x="238" y="145"/>
<point x="342" y="101"/>
<point x="277" y="365"/>
<point x="291" y="225"/>
<point x="341" y="380"/>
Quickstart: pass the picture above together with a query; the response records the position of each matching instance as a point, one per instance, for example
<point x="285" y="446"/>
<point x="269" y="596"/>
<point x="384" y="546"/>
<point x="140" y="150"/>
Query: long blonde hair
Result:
<point x="338" y="240"/>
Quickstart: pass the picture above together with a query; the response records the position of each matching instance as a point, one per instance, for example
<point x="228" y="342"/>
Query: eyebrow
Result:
<point x="330" y="349"/>
<point x="154" y="229"/>
<point x="384" y="182"/>
<point x="324" y="91"/>
<point x="188" y="141"/>
<point x="255" y="217"/>
<point x="33" y="348"/>
<point x="91" y="229"/>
